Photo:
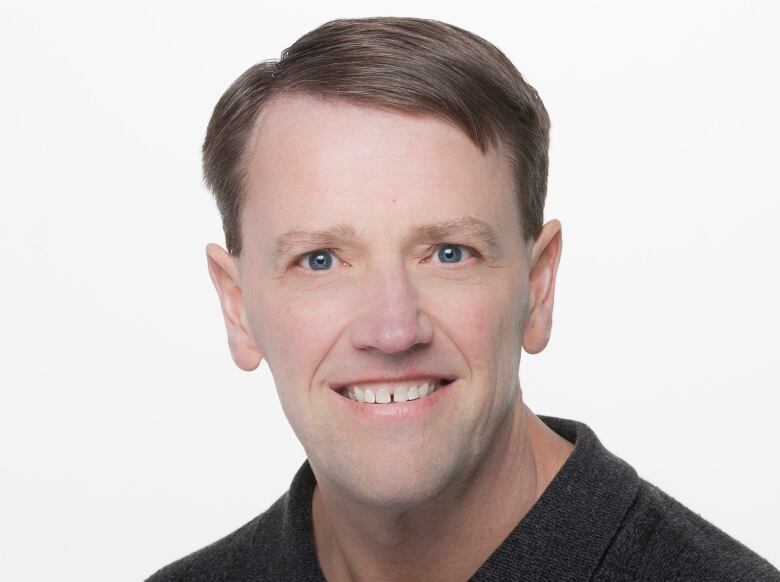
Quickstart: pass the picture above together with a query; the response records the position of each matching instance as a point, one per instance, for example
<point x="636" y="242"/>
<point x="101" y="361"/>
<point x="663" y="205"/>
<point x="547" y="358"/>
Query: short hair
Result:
<point x="408" y="65"/>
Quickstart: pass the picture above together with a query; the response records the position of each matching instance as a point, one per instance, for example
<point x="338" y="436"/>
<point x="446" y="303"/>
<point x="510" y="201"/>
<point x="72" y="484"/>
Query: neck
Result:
<point x="447" y="538"/>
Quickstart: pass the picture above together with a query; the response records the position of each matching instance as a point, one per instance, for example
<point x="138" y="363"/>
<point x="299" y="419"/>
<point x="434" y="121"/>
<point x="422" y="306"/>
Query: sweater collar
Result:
<point x="562" y="537"/>
<point x="569" y="528"/>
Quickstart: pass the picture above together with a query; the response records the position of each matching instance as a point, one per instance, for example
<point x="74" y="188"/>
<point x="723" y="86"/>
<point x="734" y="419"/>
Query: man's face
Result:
<point x="382" y="250"/>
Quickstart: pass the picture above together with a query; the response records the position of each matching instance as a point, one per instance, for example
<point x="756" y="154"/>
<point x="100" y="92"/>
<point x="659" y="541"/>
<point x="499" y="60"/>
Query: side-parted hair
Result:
<point x="397" y="64"/>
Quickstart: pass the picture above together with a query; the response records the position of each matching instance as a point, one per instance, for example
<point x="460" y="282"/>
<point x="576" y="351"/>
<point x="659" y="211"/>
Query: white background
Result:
<point x="127" y="436"/>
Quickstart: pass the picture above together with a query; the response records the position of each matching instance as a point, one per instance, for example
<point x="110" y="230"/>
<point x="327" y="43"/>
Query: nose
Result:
<point x="388" y="316"/>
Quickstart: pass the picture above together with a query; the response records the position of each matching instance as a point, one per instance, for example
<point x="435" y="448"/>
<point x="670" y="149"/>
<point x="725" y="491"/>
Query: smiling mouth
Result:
<point x="389" y="393"/>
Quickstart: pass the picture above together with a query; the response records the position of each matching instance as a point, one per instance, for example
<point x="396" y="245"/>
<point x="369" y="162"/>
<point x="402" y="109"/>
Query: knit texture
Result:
<point x="596" y="520"/>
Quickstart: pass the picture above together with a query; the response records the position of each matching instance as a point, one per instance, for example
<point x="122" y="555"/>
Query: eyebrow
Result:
<point x="466" y="227"/>
<point x="321" y="239"/>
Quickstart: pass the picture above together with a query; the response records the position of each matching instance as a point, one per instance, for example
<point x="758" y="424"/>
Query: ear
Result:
<point x="545" y="256"/>
<point x="224" y="274"/>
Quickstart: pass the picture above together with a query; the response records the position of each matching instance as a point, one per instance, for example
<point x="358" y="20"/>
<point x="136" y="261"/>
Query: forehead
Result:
<point x="313" y="163"/>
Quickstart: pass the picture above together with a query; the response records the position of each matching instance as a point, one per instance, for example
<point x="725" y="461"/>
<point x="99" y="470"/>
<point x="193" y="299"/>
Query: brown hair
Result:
<point x="403" y="64"/>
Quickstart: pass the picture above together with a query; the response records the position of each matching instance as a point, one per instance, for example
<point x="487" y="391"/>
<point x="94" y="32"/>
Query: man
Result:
<point x="382" y="190"/>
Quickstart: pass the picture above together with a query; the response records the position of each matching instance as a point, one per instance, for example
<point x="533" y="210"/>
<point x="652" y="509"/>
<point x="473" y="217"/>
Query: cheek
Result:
<point x="296" y="336"/>
<point x="484" y="321"/>
<point x="296" y="333"/>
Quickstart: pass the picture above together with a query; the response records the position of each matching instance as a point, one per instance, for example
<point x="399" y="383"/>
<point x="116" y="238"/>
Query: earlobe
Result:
<point x="224" y="274"/>
<point x="545" y="257"/>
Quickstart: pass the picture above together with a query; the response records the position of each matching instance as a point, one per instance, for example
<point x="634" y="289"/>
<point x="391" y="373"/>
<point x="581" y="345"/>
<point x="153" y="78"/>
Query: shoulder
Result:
<point x="661" y="539"/>
<point x="276" y="545"/>
<point x="237" y="556"/>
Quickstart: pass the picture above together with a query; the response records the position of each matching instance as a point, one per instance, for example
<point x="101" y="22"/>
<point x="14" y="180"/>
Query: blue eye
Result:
<point x="450" y="253"/>
<point x="319" y="260"/>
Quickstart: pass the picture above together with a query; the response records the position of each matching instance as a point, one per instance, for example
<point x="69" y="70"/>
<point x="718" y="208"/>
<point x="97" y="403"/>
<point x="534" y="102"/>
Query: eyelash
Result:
<point x="474" y="254"/>
<point x="470" y="251"/>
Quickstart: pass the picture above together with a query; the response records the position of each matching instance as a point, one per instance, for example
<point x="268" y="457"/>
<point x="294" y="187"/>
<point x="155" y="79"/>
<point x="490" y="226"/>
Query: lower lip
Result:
<point x="394" y="411"/>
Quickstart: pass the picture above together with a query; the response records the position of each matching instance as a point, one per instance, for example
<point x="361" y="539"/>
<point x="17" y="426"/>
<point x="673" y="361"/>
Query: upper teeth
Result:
<point x="385" y="394"/>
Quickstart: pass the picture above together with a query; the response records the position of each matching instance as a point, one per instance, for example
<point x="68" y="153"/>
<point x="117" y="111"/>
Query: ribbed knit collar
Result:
<point x="562" y="537"/>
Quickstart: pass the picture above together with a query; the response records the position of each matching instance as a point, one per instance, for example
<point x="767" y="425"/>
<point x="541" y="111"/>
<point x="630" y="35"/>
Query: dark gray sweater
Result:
<point x="597" y="520"/>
